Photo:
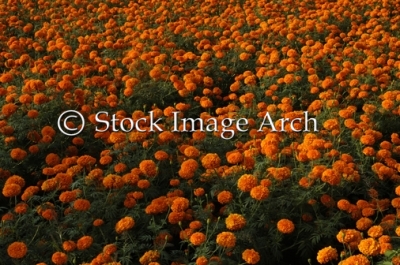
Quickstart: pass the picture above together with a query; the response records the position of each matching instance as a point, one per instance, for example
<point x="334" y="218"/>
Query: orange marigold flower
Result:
<point x="180" y="204"/>
<point x="364" y="223"/>
<point x="201" y="261"/>
<point x="161" y="155"/>
<point x="250" y="256"/>
<point x="176" y="217"/>
<point x="15" y="179"/>
<point x="188" y="168"/>
<point x="226" y="239"/>
<point x="149" y="256"/>
<point x="69" y="245"/>
<point x="331" y="176"/>
<point x="285" y="226"/>
<point x="327" y="254"/>
<point x="259" y="192"/>
<point x="199" y="192"/>
<point x="356" y="259"/>
<point x="197" y="238"/>
<point x="17" y="250"/>
<point x="18" y="154"/>
<point x="225" y="197"/>
<point x="148" y="167"/>
<point x="246" y="182"/>
<point x="98" y="222"/>
<point x="375" y="231"/>
<point x="109" y="249"/>
<point x="86" y="160"/>
<point x="52" y="159"/>
<point x="191" y="152"/>
<point x="117" y="137"/>
<point x="211" y="161"/>
<point x="113" y="182"/>
<point x="11" y="190"/>
<point x="235" y="221"/>
<point x="82" y="205"/>
<point x="59" y="258"/>
<point x="84" y="242"/>
<point x="124" y="224"/>
<point x="369" y="247"/>
<point x="9" y="109"/>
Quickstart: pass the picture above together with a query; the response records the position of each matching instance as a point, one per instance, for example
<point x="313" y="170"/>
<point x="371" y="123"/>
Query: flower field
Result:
<point x="212" y="132"/>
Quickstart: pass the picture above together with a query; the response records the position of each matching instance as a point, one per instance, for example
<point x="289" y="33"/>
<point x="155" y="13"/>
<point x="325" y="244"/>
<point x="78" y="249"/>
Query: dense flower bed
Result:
<point x="195" y="147"/>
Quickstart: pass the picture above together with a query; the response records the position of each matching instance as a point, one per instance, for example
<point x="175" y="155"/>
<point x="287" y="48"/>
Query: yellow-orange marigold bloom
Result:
<point x="250" y="256"/>
<point x="226" y="239"/>
<point x="124" y="224"/>
<point x="188" y="168"/>
<point x="117" y="137"/>
<point x="356" y="259"/>
<point x="201" y="261"/>
<point x="17" y="250"/>
<point x="69" y="246"/>
<point x="161" y="155"/>
<point x="84" y="242"/>
<point x="148" y="167"/>
<point x="191" y="152"/>
<point x="82" y="205"/>
<point x="9" y="109"/>
<point x="259" y="192"/>
<point x="211" y="161"/>
<point x="18" y="154"/>
<point x="224" y="197"/>
<point x="364" y="223"/>
<point x="180" y="204"/>
<point x="375" y="231"/>
<point x="285" y="226"/>
<point x="235" y="221"/>
<point x="369" y="247"/>
<point x="246" y="182"/>
<point x="331" y="176"/>
<point x="113" y="182"/>
<point x="86" y="160"/>
<point x="59" y="258"/>
<point x="11" y="190"/>
<point x="149" y="256"/>
<point x="327" y="254"/>
<point x="197" y="238"/>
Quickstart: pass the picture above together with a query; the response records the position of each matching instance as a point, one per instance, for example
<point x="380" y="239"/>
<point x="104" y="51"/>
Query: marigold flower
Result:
<point x="176" y="217"/>
<point x="59" y="258"/>
<point x="246" y="182"/>
<point x="199" y="192"/>
<point x="17" y="250"/>
<point x="211" y="161"/>
<point x="18" y="154"/>
<point x="161" y="155"/>
<point x="149" y="256"/>
<point x="225" y="197"/>
<point x="369" y="247"/>
<point x="235" y="221"/>
<point x="226" y="239"/>
<point x="98" y="222"/>
<point x="285" y="226"/>
<point x="109" y="249"/>
<point x="9" y="109"/>
<point x="69" y="246"/>
<point x="188" y="168"/>
<point x="250" y="256"/>
<point x="375" y="231"/>
<point x="197" y="238"/>
<point x="191" y="152"/>
<point x="327" y="254"/>
<point x="180" y="204"/>
<point x="124" y="224"/>
<point x="113" y="182"/>
<point x="259" y="192"/>
<point x="82" y="205"/>
<point x="11" y="190"/>
<point x="364" y="223"/>
<point x="201" y="261"/>
<point x="84" y="242"/>
<point x="117" y="137"/>
<point x="148" y="167"/>
<point x="86" y="160"/>
<point x="356" y="259"/>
